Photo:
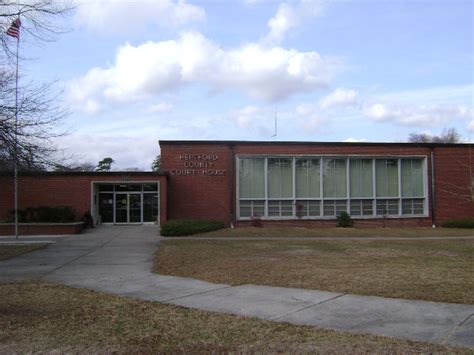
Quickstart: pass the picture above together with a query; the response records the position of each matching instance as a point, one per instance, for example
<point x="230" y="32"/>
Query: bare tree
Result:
<point x="449" y="135"/>
<point x="38" y="111"/>
<point x="38" y="20"/>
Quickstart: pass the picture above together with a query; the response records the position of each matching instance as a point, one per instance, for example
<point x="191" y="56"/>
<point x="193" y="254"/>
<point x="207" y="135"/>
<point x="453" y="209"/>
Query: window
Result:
<point x="334" y="207"/>
<point x="334" y="178"/>
<point x="412" y="178"/>
<point x="413" y="206"/>
<point x="362" y="207"/>
<point x="252" y="208"/>
<point x="310" y="208"/>
<point x="361" y="178"/>
<point x="307" y="178"/>
<point x="251" y="178"/>
<point x="387" y="207"/>
<point x="386" y="177"/>
<point x="412" y="186"/>
<point x="280" y="178"/>
<point x="322" y="187"/>
<point x="280" y="208"/>
<point x="251" y="187"/>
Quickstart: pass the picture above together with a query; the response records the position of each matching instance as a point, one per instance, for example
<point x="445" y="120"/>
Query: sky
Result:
<point x="135" y="72"/>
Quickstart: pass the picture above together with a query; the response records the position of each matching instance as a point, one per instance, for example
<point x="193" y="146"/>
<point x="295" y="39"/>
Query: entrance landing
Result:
<point x="118" y="260"/>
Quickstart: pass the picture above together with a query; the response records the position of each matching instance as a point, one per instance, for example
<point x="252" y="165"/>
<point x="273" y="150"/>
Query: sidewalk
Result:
<point x="118" y="260"/>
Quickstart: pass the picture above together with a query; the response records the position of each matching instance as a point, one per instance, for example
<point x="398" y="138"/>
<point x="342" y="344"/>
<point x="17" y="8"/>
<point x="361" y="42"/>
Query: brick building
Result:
<point x="284" y="183"/>
<point x="310" y="183"/>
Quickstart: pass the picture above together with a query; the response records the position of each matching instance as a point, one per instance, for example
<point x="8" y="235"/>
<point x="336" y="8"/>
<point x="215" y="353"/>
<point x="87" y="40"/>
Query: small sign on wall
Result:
<point x="198" y="165"/>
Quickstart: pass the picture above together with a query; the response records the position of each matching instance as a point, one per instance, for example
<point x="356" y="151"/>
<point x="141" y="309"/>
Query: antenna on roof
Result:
<point x="276" y="121"/>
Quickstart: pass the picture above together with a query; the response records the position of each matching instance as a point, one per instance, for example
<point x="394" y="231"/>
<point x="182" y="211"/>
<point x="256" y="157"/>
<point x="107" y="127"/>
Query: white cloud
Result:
<point x="354" y="140"/>
<point x="289" y="16"/>
<point x="248" y="115"/>
<point x="470" y="127"/>
<point x="144" y="71"/>
<point x="305" y="109"/>
<point x="420" y="115"/>
<point x="162" y="107"/>
<point x="339" y="97"/>
<point x="118" y="16"/>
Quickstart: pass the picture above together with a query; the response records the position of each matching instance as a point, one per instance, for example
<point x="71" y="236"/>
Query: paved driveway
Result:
<point x="119" y="259"/>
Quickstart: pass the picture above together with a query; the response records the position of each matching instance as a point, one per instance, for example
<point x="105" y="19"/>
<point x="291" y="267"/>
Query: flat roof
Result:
<point x="85" y="173"/>
<point x="243" y="142"/>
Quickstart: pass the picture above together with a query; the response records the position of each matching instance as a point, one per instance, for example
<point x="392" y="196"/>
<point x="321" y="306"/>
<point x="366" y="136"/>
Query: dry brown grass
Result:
<point x="433" y="270"/>
<point x="10" y="251"/>
<point x="39" y="317"/>
<point x="291" y="232"/>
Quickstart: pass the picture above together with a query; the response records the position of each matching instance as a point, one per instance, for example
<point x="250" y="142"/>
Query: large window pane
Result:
<point x="251" y="178"/>
<point x="150" y="207"/>
<point x="334" y="178"/>
<point x="280" y="178"/>
<point x="307" y="178"/>
<point x="106" y="207"/>
<point x="386" y="177"/>
<point x="361" y="173"/>
<point x="412" y="177"/>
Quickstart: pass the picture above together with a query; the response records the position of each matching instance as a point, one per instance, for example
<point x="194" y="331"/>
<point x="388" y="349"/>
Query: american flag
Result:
<point x="14" y="29"/>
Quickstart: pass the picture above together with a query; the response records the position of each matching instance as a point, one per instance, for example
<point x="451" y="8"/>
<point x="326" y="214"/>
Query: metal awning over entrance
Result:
<point x="126" y="203"/>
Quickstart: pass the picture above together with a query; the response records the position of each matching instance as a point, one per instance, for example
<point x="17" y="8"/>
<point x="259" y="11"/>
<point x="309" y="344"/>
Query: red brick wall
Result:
<point x="454" y="195"/>
<point x="199" y="194"/>
<point x="65" y="190"/>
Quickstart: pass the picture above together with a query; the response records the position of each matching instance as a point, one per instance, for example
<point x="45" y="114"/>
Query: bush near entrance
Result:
<point x="44" y="214"/>
<point x="182" y="227"/>
<point x="460" y="223"/>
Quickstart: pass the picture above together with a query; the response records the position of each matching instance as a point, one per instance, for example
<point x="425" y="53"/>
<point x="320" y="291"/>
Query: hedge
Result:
<point x="44" y="214"/>
<point x="460" y="223"/>
<point x="181" y="227"/>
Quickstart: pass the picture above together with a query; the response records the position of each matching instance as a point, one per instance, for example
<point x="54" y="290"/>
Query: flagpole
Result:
<point x="16" y="141"/>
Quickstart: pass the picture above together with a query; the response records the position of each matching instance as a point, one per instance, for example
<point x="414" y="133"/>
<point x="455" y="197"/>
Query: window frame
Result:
<point x="347" y="198"/>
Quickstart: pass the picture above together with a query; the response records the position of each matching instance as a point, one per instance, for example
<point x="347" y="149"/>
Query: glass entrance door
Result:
<point x="128" y="203"/>
<point x="128" y="208"/>
<point x="134" y="208"/>
<point x="121" y="208"/>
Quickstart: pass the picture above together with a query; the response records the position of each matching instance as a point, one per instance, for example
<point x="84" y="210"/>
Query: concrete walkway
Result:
<point x="119" y="259"/>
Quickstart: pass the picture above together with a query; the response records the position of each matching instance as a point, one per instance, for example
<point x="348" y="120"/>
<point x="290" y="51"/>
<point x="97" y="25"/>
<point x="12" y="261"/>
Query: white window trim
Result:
<point x="321" y="199"/>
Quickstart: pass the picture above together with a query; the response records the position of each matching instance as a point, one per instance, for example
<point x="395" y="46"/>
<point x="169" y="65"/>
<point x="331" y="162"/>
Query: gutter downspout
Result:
<point x="433" y="204"/>
<point x="231" y="181"/>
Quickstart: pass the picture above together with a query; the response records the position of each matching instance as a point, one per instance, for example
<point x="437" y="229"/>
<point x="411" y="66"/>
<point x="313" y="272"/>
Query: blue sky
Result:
<point x="136" y="72"/>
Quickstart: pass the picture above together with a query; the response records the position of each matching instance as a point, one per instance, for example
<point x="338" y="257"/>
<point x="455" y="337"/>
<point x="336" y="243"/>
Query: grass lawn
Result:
<point x="289" y="232"/>
<point x="10" y="251"/>
<point x="39" y="317"/>
<point x="433" y="270"/>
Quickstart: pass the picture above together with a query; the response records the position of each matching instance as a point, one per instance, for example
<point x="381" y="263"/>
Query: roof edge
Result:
<point x="85" y="173"/>
<point x="243" y="142"/>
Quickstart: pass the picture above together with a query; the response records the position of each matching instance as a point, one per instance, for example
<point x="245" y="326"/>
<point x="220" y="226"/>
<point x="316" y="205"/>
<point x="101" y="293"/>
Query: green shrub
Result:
<point x="180" y="227"/>
<point x="460" y="223"/>
<point x="344" y="220"/>
<point x="44" y="214"/>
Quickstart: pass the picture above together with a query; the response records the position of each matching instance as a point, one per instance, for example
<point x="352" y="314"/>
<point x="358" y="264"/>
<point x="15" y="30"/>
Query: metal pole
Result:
<point x="16" y="143"/>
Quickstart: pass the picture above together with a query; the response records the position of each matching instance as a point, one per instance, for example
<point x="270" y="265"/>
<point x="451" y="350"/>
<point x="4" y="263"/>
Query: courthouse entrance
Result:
<point x="127" y="203"/>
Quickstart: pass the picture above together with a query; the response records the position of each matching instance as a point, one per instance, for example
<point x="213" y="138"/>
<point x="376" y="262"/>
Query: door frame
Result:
<point x="94" y="201"/>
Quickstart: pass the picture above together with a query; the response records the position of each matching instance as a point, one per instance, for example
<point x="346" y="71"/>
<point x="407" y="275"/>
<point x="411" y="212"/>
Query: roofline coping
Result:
<point x="368" y="144"/>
